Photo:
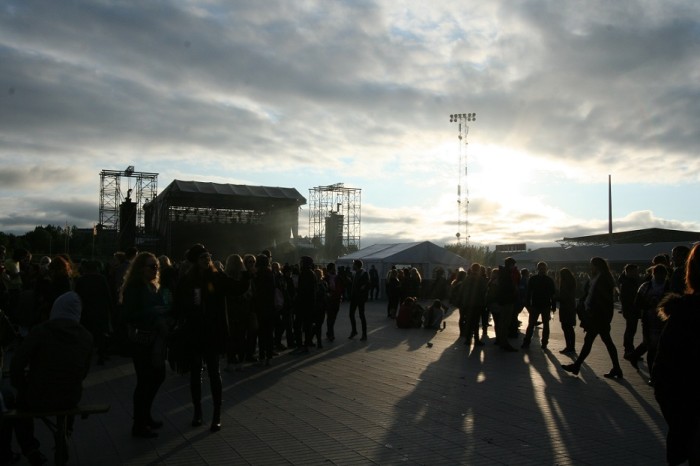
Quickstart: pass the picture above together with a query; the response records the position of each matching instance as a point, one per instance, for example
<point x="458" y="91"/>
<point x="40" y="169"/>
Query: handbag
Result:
<point x="583" y="314"/>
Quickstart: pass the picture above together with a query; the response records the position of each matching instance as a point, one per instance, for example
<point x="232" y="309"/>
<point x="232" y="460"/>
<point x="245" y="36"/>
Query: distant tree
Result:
<point x="41" y="240"/>
<point x="5" y="240"/>
<point x="48" y="240"/>
<point x="474" y="253"/>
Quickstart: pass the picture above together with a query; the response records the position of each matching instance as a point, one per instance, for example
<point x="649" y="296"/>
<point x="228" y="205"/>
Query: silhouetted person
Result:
<point x="304" y="305"/>
<point x="373" y="283"/>
<point x="508" y="280"/>
<point x="200" y="299"/>
<point x="650" y="294"/>
<point x="472" y="302"/>
<point x="540" y="302"/>
<point x="94" y="291"/>
<point x="393" y="293"/>
<point x="48" y="368"/>
<point x="567" y="309"/>
<point x="336" y="288"/>
<point x="676" y="386"/>
<point x="144" y="317"/>
<point x="679" y="255"/>
<point x="599" y="307"/>
<point x="358" y="298"/>
<point x="628" y="284"/>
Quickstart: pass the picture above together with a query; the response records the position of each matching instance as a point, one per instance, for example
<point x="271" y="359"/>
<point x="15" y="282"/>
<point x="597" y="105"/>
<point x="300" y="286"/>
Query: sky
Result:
<point x="310" y="93"/>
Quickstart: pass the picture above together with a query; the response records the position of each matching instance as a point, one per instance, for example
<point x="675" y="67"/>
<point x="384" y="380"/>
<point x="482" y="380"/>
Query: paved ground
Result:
<point x="403" y="397"/>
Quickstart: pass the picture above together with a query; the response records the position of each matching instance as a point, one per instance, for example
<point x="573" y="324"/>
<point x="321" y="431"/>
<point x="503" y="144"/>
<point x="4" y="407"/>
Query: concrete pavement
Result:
<point x="392" y="400"/>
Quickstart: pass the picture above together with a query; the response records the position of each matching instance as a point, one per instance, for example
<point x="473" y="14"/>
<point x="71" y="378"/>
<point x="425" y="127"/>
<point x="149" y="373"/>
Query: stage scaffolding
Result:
<point x="334" y="217"/>
<point x="143" y="185"/>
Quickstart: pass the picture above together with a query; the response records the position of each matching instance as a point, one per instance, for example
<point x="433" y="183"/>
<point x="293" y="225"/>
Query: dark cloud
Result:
<point x="49" y="211"/>
<point x="32" y="178"/>
<point x="239" y="89"/>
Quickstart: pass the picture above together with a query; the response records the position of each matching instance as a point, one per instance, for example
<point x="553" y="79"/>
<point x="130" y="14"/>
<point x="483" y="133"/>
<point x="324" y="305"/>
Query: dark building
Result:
<point x="634" y="246"/>
<point x="226" y="218"/>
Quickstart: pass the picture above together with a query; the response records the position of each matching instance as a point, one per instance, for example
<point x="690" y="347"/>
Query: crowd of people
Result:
<point x="191" y="314"/>
<point x="665" y="298"/>
<point x="197" y="312"/>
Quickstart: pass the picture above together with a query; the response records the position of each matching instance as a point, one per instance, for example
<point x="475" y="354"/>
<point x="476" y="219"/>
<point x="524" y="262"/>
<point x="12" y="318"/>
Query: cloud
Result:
<point x="309" y="93"/>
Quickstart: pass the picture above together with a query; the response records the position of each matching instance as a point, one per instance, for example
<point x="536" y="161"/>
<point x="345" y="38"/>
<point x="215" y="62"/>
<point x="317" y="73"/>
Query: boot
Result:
<point x="197" y="419"/>
<point x="216" y="419"/>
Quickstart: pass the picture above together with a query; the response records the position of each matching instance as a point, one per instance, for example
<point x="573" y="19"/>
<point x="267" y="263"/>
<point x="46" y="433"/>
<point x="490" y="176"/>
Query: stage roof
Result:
<point x="227" y="196"/>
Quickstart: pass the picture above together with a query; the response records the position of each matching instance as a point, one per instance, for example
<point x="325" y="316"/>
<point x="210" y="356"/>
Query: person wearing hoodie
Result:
<point x="48" y="370"/>
<point x="57" y="353"/>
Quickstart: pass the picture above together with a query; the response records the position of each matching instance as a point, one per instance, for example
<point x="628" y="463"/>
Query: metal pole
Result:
<point x="610" y="225"/>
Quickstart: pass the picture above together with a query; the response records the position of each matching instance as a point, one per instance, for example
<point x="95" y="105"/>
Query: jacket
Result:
<point x="205" y="323"/>
<point x="675" y="389"/>
<point x="58" y="354"/>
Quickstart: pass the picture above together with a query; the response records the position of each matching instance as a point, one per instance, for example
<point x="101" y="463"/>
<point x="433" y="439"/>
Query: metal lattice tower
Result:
<point x="336" y="201"/>
<point x="145" y="186"/>
<point x="463" y="194"/>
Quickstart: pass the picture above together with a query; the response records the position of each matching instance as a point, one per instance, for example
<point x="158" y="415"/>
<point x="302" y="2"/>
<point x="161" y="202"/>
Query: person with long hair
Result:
<point x="414" y="282"/>
<point x="599" y="308"/>
<point x="200" y="306"/>
<point x="144" y="314"/>
<point x="675" y="388"/>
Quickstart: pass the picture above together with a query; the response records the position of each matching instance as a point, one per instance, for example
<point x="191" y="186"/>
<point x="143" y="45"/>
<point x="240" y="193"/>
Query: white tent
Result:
<point x="425" y="256"/>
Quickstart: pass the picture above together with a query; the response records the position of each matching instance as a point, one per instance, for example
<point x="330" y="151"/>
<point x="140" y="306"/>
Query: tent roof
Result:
<point x="406" y="253"/>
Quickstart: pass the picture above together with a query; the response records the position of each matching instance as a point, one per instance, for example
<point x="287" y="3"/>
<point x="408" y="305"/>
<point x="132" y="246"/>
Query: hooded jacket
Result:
<point x="57" y="353"/>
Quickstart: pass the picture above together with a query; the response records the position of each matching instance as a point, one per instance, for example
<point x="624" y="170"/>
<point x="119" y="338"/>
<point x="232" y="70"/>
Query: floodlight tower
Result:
<point x="463" y="201"/>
